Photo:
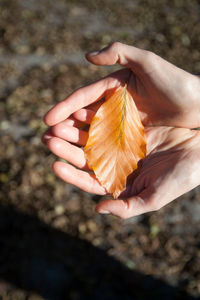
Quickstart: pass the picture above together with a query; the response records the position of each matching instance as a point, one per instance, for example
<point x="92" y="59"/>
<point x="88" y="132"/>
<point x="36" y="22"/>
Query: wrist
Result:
<point x="190" y="95"/>
<point x="196" y="92"/>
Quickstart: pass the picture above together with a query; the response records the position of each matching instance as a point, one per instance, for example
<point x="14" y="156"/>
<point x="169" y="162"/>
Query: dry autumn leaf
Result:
<point x="116" y="141"/>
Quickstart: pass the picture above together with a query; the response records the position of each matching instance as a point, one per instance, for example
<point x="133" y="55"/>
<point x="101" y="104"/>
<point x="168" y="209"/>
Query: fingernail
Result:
<point x="104" y="212"/>
<point x="93" y="53"/>
<point x="47" y="136"/>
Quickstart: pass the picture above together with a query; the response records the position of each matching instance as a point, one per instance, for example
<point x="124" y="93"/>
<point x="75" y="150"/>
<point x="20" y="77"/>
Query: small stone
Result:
<point x="92" y="226"/>
<point x="185" y="40"/>
<point x="60" y="222"/>
<point x="154" y="230"/>
<point x="130" y="264"/>
<point x="82" y="228"/>
<point x="97" y="242"/>
<point x="4" y="178"/>
<point x="59" y="209"/>
<point x="23" y="49"/>
<point x="5" y="125"/>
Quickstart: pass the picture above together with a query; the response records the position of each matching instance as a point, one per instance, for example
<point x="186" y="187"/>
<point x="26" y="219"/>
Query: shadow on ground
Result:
<point x="58" y="266"/>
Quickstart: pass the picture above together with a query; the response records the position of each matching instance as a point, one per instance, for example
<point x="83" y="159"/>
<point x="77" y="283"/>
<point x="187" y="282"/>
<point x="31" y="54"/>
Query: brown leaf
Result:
<point x="116" y="141"/>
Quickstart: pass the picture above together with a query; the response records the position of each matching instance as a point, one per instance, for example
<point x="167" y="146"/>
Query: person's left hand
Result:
<point x="170" y="169"/>
<point x="164" y="94"/>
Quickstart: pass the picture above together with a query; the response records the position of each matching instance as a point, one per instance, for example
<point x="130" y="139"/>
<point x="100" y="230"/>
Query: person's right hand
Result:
<point x="164" y="94"/>
<point x="170" y="169"/>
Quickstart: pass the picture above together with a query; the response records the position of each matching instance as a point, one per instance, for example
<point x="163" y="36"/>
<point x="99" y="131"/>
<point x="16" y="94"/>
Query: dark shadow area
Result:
<point x="36" y="257"/>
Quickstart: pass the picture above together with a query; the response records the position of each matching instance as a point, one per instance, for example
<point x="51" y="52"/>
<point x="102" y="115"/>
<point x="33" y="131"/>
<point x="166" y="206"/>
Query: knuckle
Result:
<point x="154" y="205"/>
<point x="115" y="46"/>
<point x="123" y="216"/>
<point x="117" y="49"/>
<point x="127" y="210"/>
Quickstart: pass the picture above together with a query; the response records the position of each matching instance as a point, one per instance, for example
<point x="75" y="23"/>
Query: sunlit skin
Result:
<point x="165" y="96"/>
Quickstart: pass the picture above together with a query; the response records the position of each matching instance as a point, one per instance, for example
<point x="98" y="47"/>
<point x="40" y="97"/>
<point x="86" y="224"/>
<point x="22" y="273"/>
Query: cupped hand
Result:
<point x="165" y="95"/>
<point x="170" y="169"/>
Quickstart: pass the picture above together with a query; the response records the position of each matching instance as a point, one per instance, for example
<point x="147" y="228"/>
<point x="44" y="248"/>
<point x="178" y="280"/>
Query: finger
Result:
<point x="69" y="122"/>
<point x="144" y="202"/>
<point x="84" y="115"/>
<point x="67" y="151"/>
<point x="125" y="55"/>
<point x="74" y="122"/>
<point x="95" y="106"/>
<point x="70" y="133"/>
<point x="84" y="97"/>
<point x="81" y="179"/>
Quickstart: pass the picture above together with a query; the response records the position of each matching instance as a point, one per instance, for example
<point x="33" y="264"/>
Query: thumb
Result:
<point x="142" y="203"/>
<point x="127" y="56"/>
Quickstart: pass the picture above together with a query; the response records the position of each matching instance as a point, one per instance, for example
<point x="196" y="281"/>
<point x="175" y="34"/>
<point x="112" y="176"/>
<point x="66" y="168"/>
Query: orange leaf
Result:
<point x="116" y="141"/>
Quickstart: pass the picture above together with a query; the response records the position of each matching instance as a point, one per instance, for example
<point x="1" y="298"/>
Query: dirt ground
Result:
<point x="52" y="244"/>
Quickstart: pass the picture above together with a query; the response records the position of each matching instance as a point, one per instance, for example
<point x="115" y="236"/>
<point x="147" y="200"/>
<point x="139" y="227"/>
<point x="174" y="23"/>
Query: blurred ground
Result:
<point x="52" y="244"/>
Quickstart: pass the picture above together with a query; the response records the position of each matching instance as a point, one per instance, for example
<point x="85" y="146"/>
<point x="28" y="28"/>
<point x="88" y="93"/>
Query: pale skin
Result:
<point x="166" y="97"/>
